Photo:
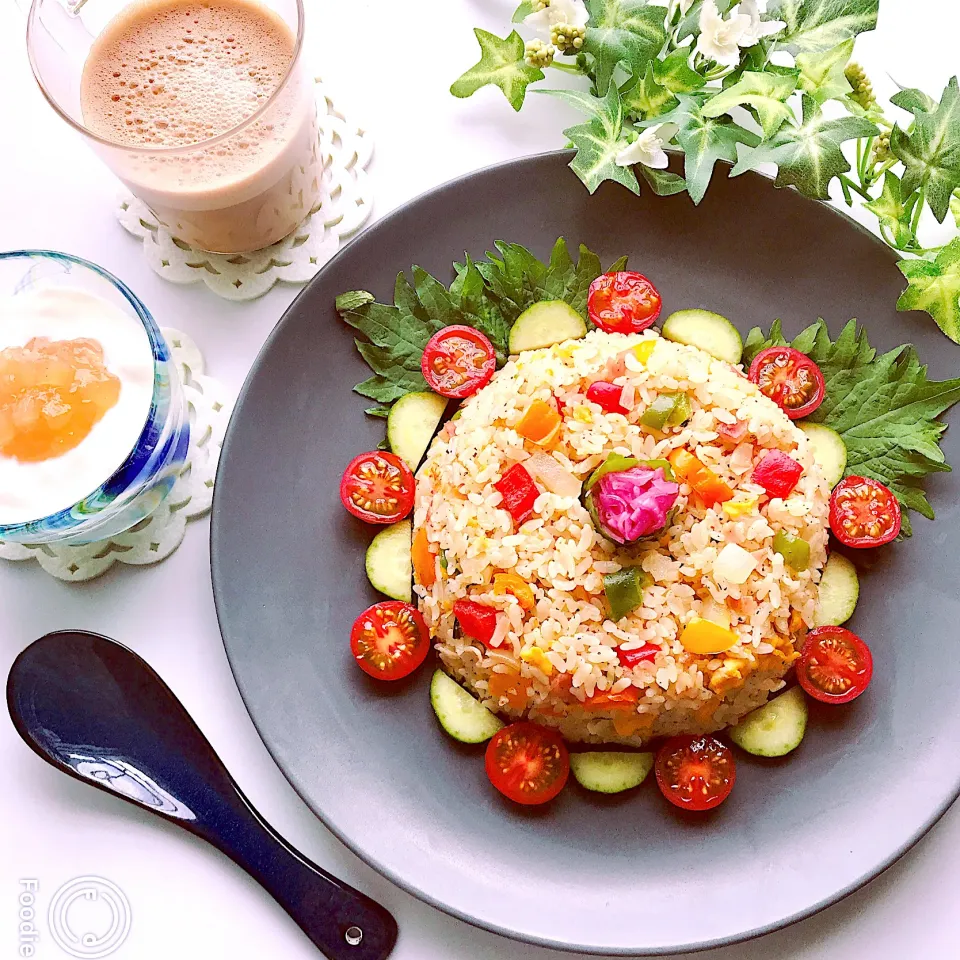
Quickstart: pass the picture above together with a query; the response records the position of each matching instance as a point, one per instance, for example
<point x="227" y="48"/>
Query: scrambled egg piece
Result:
<point x="729" y="676"/>
<point x="537" y="658"/>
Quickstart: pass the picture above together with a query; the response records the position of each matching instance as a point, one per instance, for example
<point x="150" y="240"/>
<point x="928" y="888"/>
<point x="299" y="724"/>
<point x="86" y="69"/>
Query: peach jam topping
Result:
<point x="52" y="394"/>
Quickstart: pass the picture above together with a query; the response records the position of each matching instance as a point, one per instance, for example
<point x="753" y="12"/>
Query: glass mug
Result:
<point x="239" y="191"/>
<point x="148" y="474"/>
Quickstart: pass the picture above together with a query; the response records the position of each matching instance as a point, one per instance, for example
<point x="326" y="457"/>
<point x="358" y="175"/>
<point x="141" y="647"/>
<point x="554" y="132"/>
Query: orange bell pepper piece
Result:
<point x="540" y="423"/>
<point x="511" y="583"/>
<point x="424" y="559"/>
<point x="701" y="479"/>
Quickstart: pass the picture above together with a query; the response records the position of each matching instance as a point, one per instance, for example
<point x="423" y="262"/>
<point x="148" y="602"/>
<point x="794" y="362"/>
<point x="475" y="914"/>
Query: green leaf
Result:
<point x="813" y="26"/>
<point x="378" y="411"/>
<point x="884" y="408"/>
<point x="821" y="74"/>
<point x="934" y="286"/>
<point x="662" y="182"/>
<point x="955" y="208"/>
<point x="913" y="100"/>
<point x="808" y="156"/>
<point x="501" y="63"/>
<point x="931" y="150"/>
<point x="627" y="32"/>
<point x="890" y="209"/>
<point x="645" y="98"/>
<point x="353" y="299"/>
<point x="523" y="11"/>
<point x="765" y="93"/>
<point x="598" y="142"/>
<point x="674" y="72"/>
<point x="704" y="141"/>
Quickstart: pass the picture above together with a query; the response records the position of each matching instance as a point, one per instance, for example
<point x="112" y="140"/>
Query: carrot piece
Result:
<point x="627" y="724"/>
<point x="510" y="685"/>
<point x="540" y="423"/>
<point x="424" y="559"/>
<point x="625" y="700"/>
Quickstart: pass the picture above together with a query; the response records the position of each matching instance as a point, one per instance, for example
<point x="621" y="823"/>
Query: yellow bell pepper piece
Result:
<point x="643" y="351"/>
<point x="511" y="583"/>
<point x="735" y="509"/>
<point x="537" y="658"/>
<point x="704" y="637"/>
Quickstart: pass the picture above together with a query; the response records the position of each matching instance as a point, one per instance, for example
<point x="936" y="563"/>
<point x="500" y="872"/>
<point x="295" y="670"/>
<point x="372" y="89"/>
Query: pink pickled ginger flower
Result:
<point x="634" y="503"/>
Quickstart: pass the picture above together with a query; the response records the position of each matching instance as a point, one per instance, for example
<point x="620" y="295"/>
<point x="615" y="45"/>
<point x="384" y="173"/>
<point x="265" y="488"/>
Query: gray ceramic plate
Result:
<point x="623" y="875"/>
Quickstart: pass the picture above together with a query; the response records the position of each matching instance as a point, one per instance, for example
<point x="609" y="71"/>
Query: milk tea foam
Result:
<point x="174" y="73"/>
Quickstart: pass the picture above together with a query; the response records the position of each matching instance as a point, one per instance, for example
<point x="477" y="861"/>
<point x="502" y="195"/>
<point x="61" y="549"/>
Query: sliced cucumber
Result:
<point x="706" y="330"/>
<point x="411" y="424"/>
<point x="544" y="324"/>
<point x="611" y="772"/>
<point x="774" y="729"/>
<point x="389" y="564"/>
<point x="839" y="591"/>
<point x="459" y="713"/>
<point x="829" y="450"/>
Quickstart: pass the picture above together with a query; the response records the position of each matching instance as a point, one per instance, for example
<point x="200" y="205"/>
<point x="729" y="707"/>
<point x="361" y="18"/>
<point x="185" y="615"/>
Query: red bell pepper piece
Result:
<point x="476" y="620"/>
<point x="519" y="493"/>
<point x="606" y="395"/>
<point x="630" y="658"/>
<point x="777" y="473"/>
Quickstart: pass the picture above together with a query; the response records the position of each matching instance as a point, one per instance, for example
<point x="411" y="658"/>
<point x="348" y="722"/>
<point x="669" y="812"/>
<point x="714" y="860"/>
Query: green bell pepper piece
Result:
<point x="659" y="412"/>
<point x="794" y="550"/>
<point x="681" y="411"/>
<point x="668" y="410"/>
<point x="624" y="590"/>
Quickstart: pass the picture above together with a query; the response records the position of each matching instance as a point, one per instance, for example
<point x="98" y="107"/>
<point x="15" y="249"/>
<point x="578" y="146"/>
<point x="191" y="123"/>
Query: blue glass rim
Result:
<point x="66" y="518"/>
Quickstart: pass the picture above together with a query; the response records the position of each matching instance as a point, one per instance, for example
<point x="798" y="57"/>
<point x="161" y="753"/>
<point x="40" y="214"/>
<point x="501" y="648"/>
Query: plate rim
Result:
<point x="371" y="861"/>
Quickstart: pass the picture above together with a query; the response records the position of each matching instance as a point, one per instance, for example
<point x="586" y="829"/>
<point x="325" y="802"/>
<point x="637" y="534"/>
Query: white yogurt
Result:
<point x="33" y="490"/>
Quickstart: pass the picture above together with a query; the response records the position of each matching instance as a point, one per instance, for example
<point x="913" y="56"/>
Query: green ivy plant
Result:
<point x="724" y="81"/>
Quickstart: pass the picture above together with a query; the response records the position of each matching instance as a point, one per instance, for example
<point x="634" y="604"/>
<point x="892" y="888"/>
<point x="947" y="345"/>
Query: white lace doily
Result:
<point x="346" y="201"/>
<point x="156" y="537"/>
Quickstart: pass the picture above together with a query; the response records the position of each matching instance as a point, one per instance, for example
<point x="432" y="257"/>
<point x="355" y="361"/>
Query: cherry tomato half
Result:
<point x="864" y="513"/>
<point x="457" y="361"/>
<point x="623" y="302"/>
<point x="790" y="379"/>
<point x="695" y="773"/>
<point x="527" y="763"/>
<point x="835" y="665"/>
<point x="377" y="487"/>
<point x="389" y="640"/>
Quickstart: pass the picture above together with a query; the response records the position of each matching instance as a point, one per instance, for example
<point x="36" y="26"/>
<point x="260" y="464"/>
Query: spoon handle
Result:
<point x="340" y="921"/>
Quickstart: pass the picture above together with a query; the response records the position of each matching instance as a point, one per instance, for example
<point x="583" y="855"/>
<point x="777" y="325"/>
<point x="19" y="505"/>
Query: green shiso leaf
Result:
<point x="488" y="295"/>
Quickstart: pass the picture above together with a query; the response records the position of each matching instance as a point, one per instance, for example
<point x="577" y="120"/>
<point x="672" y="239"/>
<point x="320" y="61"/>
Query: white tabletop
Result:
<point x="394" y="62"/>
